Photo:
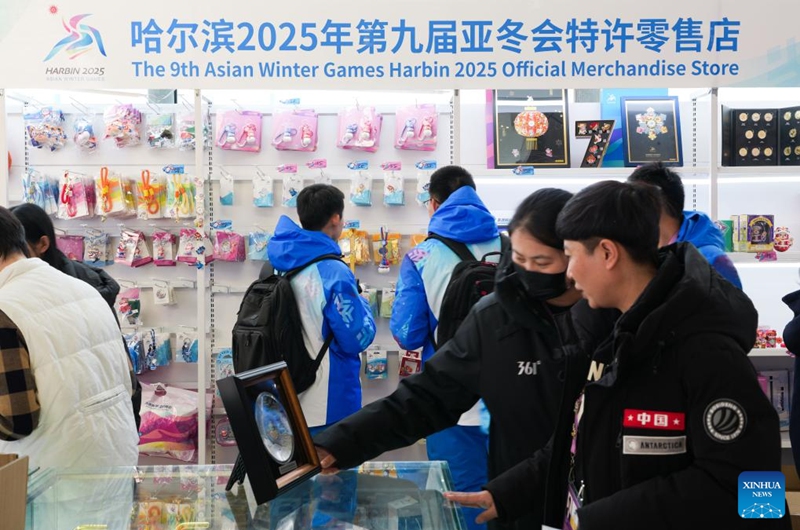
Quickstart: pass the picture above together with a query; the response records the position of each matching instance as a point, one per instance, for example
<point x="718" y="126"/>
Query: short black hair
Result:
<point x="446" y="180"/>
<point x="317" y="203"/>
<point x="538" y="213"/>
<point x="12" y="235"/>
<point x="668" y="181"/>
<point x="37" y="224"/>
<point x="624" y="212"/>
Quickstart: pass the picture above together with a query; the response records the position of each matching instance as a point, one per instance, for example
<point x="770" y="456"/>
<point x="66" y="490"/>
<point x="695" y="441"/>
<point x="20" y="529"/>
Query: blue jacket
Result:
<point x="426" y="270"/>
<point x="698" y="229"/>
<point x="328" y="300"/>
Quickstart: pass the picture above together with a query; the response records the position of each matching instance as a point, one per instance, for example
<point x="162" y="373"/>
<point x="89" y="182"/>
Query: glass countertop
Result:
<point x="375" y="496"/>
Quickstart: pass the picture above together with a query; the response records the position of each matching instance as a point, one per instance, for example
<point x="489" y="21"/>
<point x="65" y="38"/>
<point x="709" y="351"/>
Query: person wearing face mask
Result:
<point x="511" y="352"/>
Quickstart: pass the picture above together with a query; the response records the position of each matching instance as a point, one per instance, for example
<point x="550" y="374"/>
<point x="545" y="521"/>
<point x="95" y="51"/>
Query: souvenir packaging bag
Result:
<point x="95" y="247"/>
<point x="74" y="197"/>
<point x="416" y="128"/>
<point x="424" y="170"/>
<point x="128" y="306"/>
<point x="33" y="189"/>
<point x="132" y="249"/>
<point x="157" y="349"/>
<point x="393" y="193"/>
<point x="71" y="246"/>
<point x="410" y="363"/>
<point x="361" y="189"/>
<point x="187" y="133"/>
<point x="226" y="188"/>
<point x="160" y="133"/>
<point x="387" y="302"/>
<point x="83" y="134"/>
<point x="186" y="347"/>
<point x="239" y="130"/>
<point x="122" y="124"/>
<point x="376" y="366"/>
<point x="163" y="293"/>
<point x="229" y="246"/>
<point x="163" y="248"/>
<point x="388" y="241"/>
<point x="224" y="364"/>
<point x="45" y="128"/>
<point x="295" y="130"/>
<point x="169" y="422"/>
<point x="262" y="190"/>
<point x="257" y="245"/>
<point x="359" y="129"/>
<point x="292" y="185"/>
<point x="194" y="247"/>
<point x="180" y="196"/>
<point x="135" y="351"/>
<point x="150" y="196"/>
<point x="109" y="190"/>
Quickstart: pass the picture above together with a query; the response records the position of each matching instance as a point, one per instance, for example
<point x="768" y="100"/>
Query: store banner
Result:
<point x="406" y="44"/>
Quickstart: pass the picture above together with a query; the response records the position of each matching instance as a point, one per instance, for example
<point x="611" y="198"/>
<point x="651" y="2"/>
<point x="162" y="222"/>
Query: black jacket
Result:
<point x="97" y="278"/>
<point x="510" y="352"/>
<point x="680" y="349"/>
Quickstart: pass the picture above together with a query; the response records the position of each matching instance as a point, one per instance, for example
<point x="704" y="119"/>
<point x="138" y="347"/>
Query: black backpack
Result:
<point x="472" y="279"/>
<point x="268" y="328"/>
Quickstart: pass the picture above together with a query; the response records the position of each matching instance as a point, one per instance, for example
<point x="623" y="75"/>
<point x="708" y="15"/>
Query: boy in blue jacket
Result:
<point x="457" y="213"/>
<point x="677" y="225"/>
<point x="328" y="301"/>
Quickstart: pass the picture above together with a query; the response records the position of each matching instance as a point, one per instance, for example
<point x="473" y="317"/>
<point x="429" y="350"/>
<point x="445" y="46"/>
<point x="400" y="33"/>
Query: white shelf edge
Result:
<point x="769" y="352"/>
<point x="786" y="442"/>
<point x="749" y="258"/>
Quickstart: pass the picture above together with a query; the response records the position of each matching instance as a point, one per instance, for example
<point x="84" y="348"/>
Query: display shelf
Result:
<point x="769" y="352"/>
<point x="790" y="258"/>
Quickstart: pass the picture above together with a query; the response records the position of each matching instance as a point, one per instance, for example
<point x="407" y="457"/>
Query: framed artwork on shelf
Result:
<point x="651" y="130"/>
<point x="275" y="447"/>
<point x="527" y="128"/>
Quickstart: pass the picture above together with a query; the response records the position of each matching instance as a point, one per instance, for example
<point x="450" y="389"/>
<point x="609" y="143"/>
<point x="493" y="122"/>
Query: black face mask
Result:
<point x="541" y="286"/>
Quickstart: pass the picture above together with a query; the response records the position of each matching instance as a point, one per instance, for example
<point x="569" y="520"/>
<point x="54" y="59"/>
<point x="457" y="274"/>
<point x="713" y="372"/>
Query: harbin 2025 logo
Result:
<point x="80" y="37"/>
<point x="762" y="495"/>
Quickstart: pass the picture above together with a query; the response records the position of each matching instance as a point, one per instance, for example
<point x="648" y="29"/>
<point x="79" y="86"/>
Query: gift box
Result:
<point x="753" y="233"/>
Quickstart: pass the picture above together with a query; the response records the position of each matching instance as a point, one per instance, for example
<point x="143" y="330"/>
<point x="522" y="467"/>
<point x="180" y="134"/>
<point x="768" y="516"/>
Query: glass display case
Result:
<point x="376" y="496"/>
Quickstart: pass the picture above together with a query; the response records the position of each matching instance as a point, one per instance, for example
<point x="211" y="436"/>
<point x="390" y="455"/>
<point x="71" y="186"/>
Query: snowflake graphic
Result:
<point x="762" y="511"/>
<point x="345" y="309"/>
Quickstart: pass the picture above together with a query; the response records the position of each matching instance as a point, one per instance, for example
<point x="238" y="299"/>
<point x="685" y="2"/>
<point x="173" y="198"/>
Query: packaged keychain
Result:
<point x="224" y="364"/>
<point x="163" y="293"/>
<point x="37" y="189"/>
<point x="45" y="128"/>
<point x="74" y="197"/>
<point x="187" y="132"/>
<point x="163" y="248"/>
<point x="226" y="188"/>
<point x="387" y="302"/>
<point x="393" y="192"/>
<point x="132" y="249"/>
<point x="128" y="306"/>
<point x="135" y="351"/>
<point x="194" y="248"/>
<point x="83" y="134"/>
<point x="410" y="363"/>
<point x="149" y="197"/>
<point x="186" y="347"/>
<point x="179" y="196"/>
<point x="157" y="349"/>
<point x="359" y="129"/>
<point x="292" y="185"/>
<point x="295" y="130"/>
<point x="370" y="294"/>
<point x="257" y="245"/>
<point x="229" y="246"/>
<point x="262" y="190"/>
<point x="160" y="134"/>
<point x="386" y="249"/>
<point x="71" y="246"/>
<point x="376" y="366"/>
<point x="122" y="125"/>
<point x="109" y="191"/>
<point x="424" y="170"/>
<point x="361" y="189"/>
<point x="96" y="248"/>
<point x="416" y="128"/>
<point x="239" y="130"/>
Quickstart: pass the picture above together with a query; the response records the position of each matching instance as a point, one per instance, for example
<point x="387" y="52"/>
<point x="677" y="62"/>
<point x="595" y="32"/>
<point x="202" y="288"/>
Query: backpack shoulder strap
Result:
<point x="293" y="272"/>
<point x="459" y="249"/>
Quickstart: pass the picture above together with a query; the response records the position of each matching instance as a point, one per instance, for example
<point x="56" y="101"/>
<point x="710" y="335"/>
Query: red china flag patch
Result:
<point x="654" y="419"/>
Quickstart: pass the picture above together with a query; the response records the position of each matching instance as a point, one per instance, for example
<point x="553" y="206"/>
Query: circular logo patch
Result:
<point x="724" y="420"/>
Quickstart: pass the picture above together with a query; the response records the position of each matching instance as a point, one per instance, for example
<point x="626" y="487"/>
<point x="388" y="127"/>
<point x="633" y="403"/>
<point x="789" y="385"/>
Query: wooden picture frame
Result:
<point x="651" y="130"/>
<point x="270" y="429"/>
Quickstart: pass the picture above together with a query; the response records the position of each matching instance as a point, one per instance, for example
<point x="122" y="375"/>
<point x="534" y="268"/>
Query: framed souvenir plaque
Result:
<point x="527" y="128"/>
<point x="651" y="130"/>
<point x="275" y="446"/>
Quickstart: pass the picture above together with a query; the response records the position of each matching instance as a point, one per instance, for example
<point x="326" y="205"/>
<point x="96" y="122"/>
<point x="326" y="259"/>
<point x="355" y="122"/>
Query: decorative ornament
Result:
<point x="651" y="124"/>
<point x="531" y="124"/>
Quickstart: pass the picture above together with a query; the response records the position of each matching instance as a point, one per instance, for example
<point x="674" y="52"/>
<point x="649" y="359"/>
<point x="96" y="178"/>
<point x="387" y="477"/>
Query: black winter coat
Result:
<point x="681" y="349"/>
<point x="509" y="351"/>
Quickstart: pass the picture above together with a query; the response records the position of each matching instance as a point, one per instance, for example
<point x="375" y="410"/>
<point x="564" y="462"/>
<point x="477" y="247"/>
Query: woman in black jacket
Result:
<point x="510" y="351"/>
<point x="41" y="237"/>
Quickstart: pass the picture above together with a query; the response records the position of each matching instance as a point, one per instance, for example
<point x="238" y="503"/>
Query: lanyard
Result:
<point x="579" y="408"/>
<point x="105" y="191"/>
<point x="149" y="193"/>
<point x="68" y="195"/>
<point x="182" y="202"/>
